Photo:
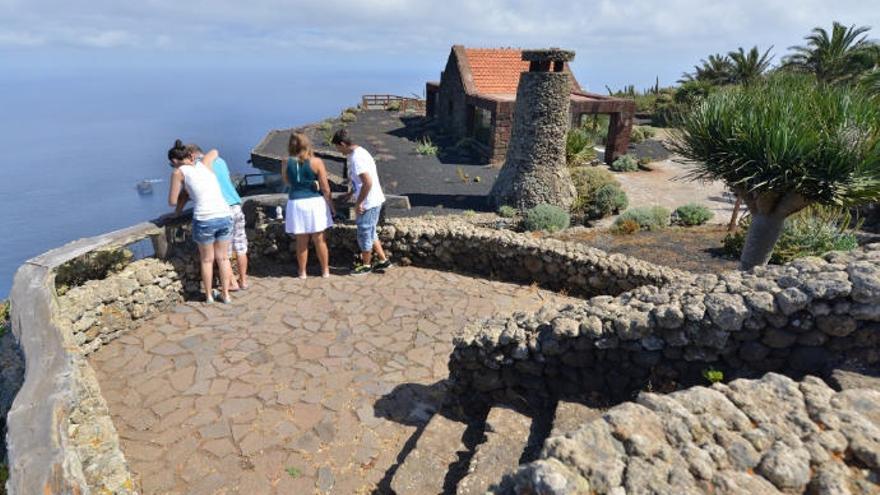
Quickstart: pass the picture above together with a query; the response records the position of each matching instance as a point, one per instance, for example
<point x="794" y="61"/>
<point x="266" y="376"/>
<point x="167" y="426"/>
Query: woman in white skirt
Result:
<point x="310" y="208"/>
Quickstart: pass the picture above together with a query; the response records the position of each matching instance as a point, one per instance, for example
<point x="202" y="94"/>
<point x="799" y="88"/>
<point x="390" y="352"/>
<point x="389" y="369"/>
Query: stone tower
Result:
<point x="534" y="171"/>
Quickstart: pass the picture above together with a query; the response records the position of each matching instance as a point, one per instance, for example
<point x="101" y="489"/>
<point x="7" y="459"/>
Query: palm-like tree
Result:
<point x="717" y="69"/>
<point x="782" y="144"/>
<point x="748" y="67"/>
<point x="837" y="57"/>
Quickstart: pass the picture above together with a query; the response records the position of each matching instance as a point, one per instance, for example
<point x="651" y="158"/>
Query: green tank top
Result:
<point x="303" y="181"/>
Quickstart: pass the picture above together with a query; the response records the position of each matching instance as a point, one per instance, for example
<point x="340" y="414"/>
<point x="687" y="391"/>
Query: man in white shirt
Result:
<point x="368" y="201"/>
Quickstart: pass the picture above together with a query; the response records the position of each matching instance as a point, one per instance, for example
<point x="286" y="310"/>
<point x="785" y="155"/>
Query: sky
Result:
<point x="617" y="42"/>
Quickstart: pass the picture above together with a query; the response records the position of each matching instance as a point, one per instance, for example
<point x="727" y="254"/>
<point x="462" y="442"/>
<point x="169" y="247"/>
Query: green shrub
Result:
<point x="653" y="218"/>
<point x="579" y="147"/>
<point x="692" y="214"/>
<point x="546" y="217"/>
<point x="598" y="193"/>
<point x="713" y="375"/>
<point x="325" y="125"/>
<point x="641" y="133"/>
<point x="626" y="227"/>
<point x="393" y="106"/>
<point x="587" y="180"/>
<point x="352" y="110"/>
<point x="596" y="127"/>
<point x="348" y="117"/>
<point x="4" y="317"/>
<point x="327" y="137"/>
<point x="507" y="211"/>
<point x="810" y="232"/>
<point x="426" y="147"/>
<point x="95" y="265"/>
<point x="625" y="163"/>
<point x="609" y="199"/>
<point x="693" y="91"/>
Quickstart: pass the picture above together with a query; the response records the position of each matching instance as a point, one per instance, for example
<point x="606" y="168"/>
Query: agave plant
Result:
<point x="840" y="56"/>
<point x="782" y="144"/>
<point x="749" y="66"/>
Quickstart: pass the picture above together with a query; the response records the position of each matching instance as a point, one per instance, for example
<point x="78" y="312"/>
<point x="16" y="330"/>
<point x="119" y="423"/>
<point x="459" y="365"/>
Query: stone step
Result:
<point x="424" y="470"/>
<point x="570" y="416"/>
<point x="506" y="436"/>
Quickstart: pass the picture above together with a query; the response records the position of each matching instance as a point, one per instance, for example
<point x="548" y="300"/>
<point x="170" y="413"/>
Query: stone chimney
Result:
<point x="535" y="171"/>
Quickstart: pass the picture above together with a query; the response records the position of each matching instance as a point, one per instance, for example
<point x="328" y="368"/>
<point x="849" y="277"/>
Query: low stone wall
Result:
<point x="60" y="436"/>
<point x="101" y="310"/>
<point x="454" y="244"/>
<point x="765" y="436"/>
<point x="797" y="318"/>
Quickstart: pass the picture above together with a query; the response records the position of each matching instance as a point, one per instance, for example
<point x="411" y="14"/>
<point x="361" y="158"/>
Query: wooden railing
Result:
<point x="381" y="102"/>
<point x="378" y="102"/>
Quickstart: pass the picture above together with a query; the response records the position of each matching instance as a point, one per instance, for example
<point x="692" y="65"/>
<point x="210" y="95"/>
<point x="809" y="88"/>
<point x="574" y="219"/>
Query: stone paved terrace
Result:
<point x="298" y="386"/>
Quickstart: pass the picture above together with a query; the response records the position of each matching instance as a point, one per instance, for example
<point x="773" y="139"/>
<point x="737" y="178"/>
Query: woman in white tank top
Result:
<point x="212" y="218"/>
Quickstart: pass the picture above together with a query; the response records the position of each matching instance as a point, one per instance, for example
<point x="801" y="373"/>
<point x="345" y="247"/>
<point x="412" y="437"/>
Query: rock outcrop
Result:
<point x="767" y="436"/>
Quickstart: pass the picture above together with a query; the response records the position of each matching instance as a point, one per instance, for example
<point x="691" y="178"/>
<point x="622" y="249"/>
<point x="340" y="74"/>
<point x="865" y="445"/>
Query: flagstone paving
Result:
<point x="297" y="386"/>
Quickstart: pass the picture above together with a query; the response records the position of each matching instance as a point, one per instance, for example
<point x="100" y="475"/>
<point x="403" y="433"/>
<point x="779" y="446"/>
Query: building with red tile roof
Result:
<point x="476" y="95"/>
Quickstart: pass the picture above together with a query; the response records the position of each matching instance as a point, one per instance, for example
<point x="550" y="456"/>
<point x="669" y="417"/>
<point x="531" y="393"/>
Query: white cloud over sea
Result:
<point x="654" y="37"/>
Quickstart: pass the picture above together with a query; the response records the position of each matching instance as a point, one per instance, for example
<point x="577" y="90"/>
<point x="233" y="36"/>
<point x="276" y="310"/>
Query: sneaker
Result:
<point x="361" y="270"/>
<point x="382" y="265"/>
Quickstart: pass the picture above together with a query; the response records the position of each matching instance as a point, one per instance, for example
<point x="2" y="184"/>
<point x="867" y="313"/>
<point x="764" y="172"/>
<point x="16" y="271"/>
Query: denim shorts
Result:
<point x="366" y="228"/>
<point x="213" y="230"/>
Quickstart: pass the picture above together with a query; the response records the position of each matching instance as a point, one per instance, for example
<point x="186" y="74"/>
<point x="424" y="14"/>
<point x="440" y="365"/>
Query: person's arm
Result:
<point x="284" y="172"/>
<point x="181" y="201"/>
<point x="209" y="158"/>
<point x="366" y="185"/>
<point x="321" y="171"/>
<point x="176" y="186"/>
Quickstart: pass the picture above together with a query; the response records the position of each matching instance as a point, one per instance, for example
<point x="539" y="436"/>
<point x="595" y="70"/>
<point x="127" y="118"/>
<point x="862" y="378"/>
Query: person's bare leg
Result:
<point x="366" y="257"/>
<point x="302" y="253"/>
<point x="377" y="246"/>
<point x="242" y="269"/>
<point x="221" y="252"/>
<point x="321" y="250"/>
<point x="233" y="283"/>
<point x="206" y="259"/>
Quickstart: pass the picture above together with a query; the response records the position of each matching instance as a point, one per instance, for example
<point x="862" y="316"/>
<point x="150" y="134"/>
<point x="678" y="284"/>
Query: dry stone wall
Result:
<point x="766" y="436"/>
<point x="77" y="448"/>
<point x="61" y="438"/>
<point x="101" y="310"/>
<point x="797" y="318"/>
<point x="452" y="243"/>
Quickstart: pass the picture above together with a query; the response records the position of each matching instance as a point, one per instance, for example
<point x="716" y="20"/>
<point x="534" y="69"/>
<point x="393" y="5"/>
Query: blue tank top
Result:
<point x="221" y="170"/>
<point x="303" y="181"/>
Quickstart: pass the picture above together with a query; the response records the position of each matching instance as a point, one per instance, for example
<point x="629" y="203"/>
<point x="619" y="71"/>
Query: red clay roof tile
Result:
<point x="496" y="70"/>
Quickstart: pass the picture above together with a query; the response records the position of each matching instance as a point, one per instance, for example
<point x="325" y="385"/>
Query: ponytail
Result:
<point x="179" y="151"/>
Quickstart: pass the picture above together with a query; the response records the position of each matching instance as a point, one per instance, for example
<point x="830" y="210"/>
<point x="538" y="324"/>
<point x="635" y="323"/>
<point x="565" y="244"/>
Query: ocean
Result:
<point x="74" y="143"/>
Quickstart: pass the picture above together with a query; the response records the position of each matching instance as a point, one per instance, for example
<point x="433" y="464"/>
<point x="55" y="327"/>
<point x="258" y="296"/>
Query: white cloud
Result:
<point x="658" y="36"/>
<point x="22" y="39"/>
<point x="108" y="39"/>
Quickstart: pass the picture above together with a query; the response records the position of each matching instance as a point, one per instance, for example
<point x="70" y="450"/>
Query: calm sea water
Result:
<point x="73" y="145"/>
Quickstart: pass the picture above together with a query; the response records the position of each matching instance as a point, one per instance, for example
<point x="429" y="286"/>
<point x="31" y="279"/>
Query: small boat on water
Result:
<point x="146" y="186"/>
